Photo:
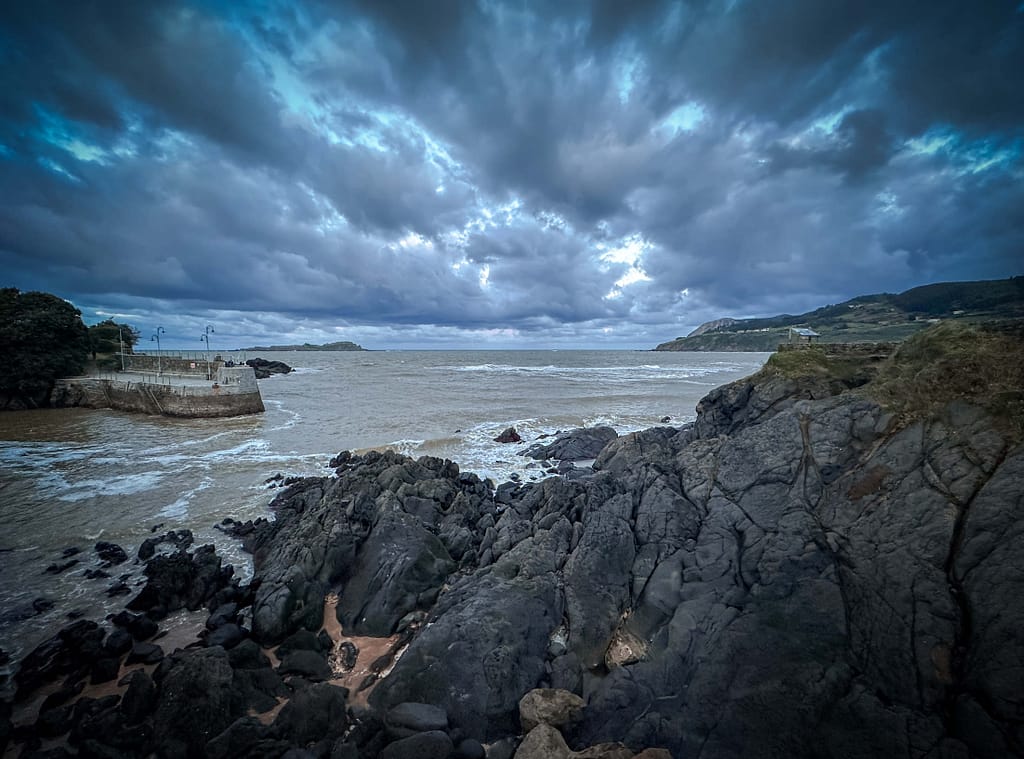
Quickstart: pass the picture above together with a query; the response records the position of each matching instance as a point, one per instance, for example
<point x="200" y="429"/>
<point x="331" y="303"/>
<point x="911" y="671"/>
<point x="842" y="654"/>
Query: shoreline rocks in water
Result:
<point x="576" y="445"/>
<point x="801" y="572"/>
<point x="265" y="369"/>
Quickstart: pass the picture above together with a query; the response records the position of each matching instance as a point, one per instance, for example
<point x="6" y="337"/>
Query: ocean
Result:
<point x="72" y="477"/>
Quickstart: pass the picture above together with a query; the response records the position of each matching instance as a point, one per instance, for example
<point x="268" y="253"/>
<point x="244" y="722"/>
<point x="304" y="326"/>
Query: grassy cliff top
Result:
<point x="982" y="364"/>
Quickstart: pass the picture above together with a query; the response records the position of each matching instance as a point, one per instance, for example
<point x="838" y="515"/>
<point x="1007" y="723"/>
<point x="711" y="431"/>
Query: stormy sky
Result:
<point x="502" y="174"/>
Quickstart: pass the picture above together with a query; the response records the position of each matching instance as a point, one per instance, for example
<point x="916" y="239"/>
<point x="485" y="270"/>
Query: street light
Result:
<point x="206" y="337"/>
<point x="159" y="366"/>
<point x="120" y="339"/>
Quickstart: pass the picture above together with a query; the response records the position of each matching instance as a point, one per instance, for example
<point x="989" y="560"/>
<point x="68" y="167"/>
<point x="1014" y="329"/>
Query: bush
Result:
<point x="42" y="337"/>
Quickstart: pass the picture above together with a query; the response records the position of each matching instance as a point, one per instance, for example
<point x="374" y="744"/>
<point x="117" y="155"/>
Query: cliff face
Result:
<point x="799" y="573"/>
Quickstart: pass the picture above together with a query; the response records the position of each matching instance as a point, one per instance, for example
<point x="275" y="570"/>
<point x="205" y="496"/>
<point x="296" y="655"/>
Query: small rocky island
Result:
<point x="344" y="345"/>
<point x="829" y="562"/>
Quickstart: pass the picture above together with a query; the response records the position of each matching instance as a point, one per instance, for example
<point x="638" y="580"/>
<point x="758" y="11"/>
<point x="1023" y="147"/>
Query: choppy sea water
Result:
<point x="69" y="478"/>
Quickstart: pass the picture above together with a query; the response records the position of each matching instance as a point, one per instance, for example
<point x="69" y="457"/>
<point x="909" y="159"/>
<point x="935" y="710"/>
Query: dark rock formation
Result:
<point x="800" y="573"/>
<point x="508" y="435"/>
<point x="264" y="368"/>
<point x="793" y="558"/>
<point x="110" y="553"/>
<point x="196" y="703"/>
<point x="579" y="444"/>
<point x="181" y="580"/>
<point x="388" y="527"/>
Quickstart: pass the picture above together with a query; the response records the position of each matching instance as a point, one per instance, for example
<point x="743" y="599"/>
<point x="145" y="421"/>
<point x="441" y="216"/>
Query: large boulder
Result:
<point x="399" y="568"/>
<point x="386" y="532"/>
<point x="577" y="445"/>
<point x="196" y="703"/>
<point x="549" y="706"/>
<point x="265" y="368"/>
<point x="181" y="580"/>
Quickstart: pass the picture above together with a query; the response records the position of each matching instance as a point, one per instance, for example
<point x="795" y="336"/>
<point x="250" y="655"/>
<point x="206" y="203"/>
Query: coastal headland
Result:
<point x="827" y="562"/>
<point x="883" y="317"/>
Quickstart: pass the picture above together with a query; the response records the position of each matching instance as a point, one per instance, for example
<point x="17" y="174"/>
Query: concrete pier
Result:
<point x="232" y="392"/>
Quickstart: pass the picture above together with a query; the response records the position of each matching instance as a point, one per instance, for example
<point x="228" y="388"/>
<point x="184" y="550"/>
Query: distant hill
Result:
<point x="342" y="346"/>
<point x="868" y="318"/>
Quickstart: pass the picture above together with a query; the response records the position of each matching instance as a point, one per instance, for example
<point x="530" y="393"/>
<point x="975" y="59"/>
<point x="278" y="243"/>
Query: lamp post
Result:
<point x="120" y="339"/>
<point x="206" y="337"/>
<point x="159" y="366"/>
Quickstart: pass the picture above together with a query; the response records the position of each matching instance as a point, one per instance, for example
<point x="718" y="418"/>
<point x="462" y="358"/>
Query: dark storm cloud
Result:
<point x="574" y="170"/>
<point x="163" y="63"/>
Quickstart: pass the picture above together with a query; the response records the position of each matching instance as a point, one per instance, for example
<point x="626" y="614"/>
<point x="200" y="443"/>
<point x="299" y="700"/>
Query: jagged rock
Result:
<point x="55" y="721"/>
<point x="140" y="698"/>
<point x="508" y="435"/>
<point x="308" y="664"/>
<point x="469" y="749"/>
<point x="180" y="539"/>
<point x="576" y="445"/>
<point x="226" y="636"/>
<point x="246" y="736"/>
<point x="654" y="753"/>
<point x="196" y="703"/>
<point x="430" y="745"/>
<point x="300" y="640"/>
<point x="59" y="567"/>
<point x="139" y="626"/>
<point x="248" y="655"/>
<point x="181" y="580"/>
<point x="69" y="653"/>
<point x="110" y="553"/>
<point x="408" y="718"/>
<point x="224" y="614"/>
<point x="145" y="653"/>
<point x="548" y="706"/>
<point x="265" y="368"/>
<point x="105" y="669"/>
<point x="399" y="568"/>
<point x="543" y="742"/>
<point x="313" y="714"/>
<point x="302" y="556"/>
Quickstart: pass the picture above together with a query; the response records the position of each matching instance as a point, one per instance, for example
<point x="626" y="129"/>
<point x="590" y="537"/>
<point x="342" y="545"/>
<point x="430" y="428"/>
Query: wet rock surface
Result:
<point x="577" y="445"/>
<point x="265" y="369"/>
<point x="794" y="574"/>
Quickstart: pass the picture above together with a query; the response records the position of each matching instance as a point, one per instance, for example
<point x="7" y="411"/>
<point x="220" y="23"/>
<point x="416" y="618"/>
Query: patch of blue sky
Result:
<point x="60" y="133"/>
<point x="829" y="123"/>
<point x="56" y="168"/>
<point x="685" y="118"/>
<point x="628" y="251"/>
<point x="968" y="157"/>
<point x="626" y="74"/>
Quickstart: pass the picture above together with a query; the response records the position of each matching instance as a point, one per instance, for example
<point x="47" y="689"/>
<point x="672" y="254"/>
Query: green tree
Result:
<point x="42" y="337"/>
<point x="106" y="337"/>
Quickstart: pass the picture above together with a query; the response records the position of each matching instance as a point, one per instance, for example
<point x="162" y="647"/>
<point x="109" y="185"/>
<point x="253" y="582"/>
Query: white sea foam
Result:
<point x="607" y="374"/>
<point x="127" y="484"/>
<point x="179" y="509"/>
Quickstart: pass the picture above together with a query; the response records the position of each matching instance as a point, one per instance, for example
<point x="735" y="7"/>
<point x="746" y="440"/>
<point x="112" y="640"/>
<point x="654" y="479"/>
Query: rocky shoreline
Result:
<point x="800" y="572"/>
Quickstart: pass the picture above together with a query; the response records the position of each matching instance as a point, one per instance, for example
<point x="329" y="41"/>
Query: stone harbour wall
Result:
<point x="170" y="365"/>
<point x="234" y="393"/>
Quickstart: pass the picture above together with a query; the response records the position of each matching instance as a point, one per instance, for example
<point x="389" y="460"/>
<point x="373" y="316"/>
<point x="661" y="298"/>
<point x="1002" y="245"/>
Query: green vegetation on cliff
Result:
<point x="980" y="364"/>
<point x="983" y="365"/>
<point x="42" y="337"/>
<point x="868" y="318"/>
